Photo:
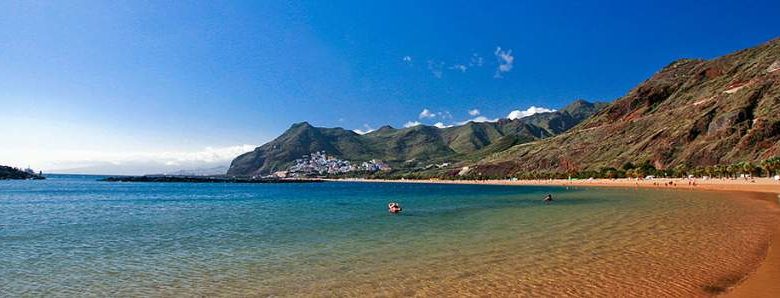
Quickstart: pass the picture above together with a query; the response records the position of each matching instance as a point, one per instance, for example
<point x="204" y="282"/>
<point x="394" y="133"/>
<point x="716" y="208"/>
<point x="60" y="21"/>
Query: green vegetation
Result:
<point x="768" y="167"/>
<point x="771" y="166"/>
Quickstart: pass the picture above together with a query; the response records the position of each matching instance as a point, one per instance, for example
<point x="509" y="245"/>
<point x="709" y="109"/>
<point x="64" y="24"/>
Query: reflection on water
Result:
<point x="74" y="236"/>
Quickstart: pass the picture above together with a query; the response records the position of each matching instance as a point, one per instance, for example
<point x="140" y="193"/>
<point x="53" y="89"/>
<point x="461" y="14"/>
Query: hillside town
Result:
<point x="319" y="163"/>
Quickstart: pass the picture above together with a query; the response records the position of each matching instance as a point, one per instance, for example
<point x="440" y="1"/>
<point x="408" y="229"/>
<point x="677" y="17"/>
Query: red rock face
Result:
<point x="692" y="112"/>
<point x="713" y="72"/>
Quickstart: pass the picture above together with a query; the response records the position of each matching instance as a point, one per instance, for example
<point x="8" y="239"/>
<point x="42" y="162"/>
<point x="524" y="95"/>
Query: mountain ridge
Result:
<point x="691" y="113"/>
<point x="409" y="147"/>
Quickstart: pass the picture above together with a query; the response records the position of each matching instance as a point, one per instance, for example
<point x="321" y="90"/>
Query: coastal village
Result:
<point x="320" y="164"/>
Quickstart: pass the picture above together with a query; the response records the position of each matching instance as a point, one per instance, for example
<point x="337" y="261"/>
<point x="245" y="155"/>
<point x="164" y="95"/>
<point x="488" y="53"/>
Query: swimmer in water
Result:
<point x="548" y="199"/>
<point x="393" y="207"/>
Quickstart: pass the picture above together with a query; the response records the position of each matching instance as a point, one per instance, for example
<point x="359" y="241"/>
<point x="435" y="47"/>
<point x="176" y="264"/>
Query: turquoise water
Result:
<point x="75" y="236"/>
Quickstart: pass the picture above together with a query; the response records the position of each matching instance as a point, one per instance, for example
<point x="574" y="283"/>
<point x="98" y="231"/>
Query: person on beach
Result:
<point x="548" y="199"/>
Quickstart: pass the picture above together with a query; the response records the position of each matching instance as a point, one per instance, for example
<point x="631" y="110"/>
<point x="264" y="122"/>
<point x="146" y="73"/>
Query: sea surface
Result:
<point x="76" y="236"/>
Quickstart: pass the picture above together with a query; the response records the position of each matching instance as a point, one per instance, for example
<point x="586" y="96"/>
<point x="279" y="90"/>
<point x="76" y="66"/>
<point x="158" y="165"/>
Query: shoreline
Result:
<point x="764" y="185"/>
<point x="761" y="282"/>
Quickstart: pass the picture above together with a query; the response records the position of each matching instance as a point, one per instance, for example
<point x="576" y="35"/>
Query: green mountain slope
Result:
<point x="409" y="147"/>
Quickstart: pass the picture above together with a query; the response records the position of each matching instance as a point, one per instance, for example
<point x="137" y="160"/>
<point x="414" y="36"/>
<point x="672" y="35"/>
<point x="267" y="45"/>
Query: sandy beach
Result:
<point x="763" y="282"/>
<point x="765" y="185"/>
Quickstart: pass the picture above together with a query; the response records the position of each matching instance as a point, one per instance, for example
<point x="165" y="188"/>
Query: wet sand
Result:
<point x="764" y="281"/>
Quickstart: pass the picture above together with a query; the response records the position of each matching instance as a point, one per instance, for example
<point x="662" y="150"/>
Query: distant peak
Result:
<point x="301" y="124"/>
<point x="577" y="104"/>
<point x="680" y="62"/>
<point x="580" y="102"/>
<point x="382" y="129"/>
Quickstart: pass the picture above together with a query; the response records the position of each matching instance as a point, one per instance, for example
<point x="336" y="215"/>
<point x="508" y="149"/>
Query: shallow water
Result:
<point x="74" y="236"/>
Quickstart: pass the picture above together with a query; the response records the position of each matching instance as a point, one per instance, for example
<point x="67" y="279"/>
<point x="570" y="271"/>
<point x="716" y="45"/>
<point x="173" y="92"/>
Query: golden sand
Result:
<point x="764" y="281"/>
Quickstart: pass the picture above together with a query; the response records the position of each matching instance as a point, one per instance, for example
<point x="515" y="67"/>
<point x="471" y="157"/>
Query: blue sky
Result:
<point x="162" y="85"/>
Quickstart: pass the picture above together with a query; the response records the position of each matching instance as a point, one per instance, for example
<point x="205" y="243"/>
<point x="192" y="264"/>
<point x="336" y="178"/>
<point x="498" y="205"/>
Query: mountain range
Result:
<point x="206" y="171"/>
<point x="692" y="112"/>
<point x="413" y="147"/>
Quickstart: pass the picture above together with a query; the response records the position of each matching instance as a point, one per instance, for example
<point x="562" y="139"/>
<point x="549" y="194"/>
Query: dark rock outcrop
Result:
<point x="8" y="173"/>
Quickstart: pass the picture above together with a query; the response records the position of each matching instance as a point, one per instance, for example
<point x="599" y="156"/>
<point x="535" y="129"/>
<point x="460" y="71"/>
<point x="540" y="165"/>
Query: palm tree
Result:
<point x="732" y="170"/>
<point x="771" y="165"/>
<point x="710" y="171"/>
<point x="765" y="166"/>
<point x="719" y="170"/>
<point x="699" y="171"/>
<point x="680" y="170"/>
<point x="747" y="168"/>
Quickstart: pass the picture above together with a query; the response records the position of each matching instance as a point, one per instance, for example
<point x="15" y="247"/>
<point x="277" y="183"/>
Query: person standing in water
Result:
<point x="548" y="199"/>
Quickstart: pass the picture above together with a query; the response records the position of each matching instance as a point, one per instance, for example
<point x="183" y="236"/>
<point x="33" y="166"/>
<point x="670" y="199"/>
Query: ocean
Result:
<point x="76" y="236"/>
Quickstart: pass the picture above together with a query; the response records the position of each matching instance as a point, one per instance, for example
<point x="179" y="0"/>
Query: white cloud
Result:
<point x="361" y="131"/>
<point x="444" y="115"/>
<point x="477" y="116"/>
<point x="53" y="144"/>
<point x="366" y="129"/>
<point x="209" y="154"/>
<point x="426" y="113"/>
<point x="442" y="125"/>
<point x="517" y="114"/>
<point x="459" y="67"/>
<point x="478" y="119"/>
<point x="436" y="68"/>
<point x="505" y="61"/>
<point x="411" y="124"/>
<point x="134" y="163"/>
<point x="476" y="60"/>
